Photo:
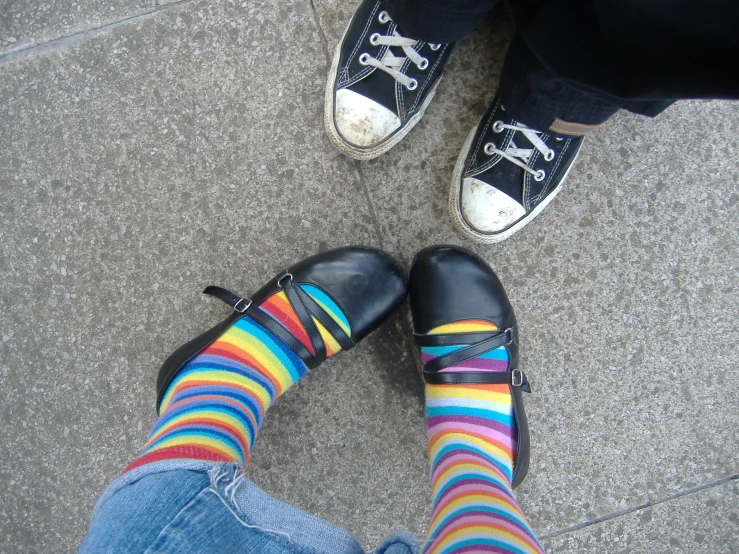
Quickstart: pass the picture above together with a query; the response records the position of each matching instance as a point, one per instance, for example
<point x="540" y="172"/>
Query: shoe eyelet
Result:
<point x="498" y="127"/>
<point x="374" y="38"/>
<point x="384" y="17"/>
<point x="424" y="64"/>
<point x="434" y="47"/>
<point x="364" y="58"/>
<point x="489" y="149"/>
<point x="540" y="176"/>
<point x="413" y="85"/>
<point x="549" y="156"/>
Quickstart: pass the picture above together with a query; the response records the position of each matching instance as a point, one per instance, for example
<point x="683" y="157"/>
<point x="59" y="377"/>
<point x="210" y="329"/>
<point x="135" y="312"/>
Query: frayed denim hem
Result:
<point x="401" y="542"/>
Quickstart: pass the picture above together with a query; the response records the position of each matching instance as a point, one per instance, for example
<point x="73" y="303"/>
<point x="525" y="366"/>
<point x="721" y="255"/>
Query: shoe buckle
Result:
<point x="517" y="378"/>
<point x="511" y="337"/>
<point x="238" y="307"/>
<point x="287" y="275"/>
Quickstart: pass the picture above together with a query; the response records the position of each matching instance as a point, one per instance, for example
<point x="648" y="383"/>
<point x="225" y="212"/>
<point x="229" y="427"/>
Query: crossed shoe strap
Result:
<point x="474" y="344"/>
<point x="305" y="308"/>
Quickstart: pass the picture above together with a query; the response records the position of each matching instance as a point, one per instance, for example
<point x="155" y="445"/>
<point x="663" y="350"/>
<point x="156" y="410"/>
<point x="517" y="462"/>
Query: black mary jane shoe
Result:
<point x="449" y="284"/>
<point x="366" y="283"/>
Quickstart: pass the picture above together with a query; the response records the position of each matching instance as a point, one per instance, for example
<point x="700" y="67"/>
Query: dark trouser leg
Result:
<point x="530" y="92"/>
<point x="439" y="21"/>
<point x="539" y="99"/>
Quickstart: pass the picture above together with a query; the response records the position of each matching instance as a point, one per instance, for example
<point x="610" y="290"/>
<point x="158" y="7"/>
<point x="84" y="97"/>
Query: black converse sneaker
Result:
<point x="506" y="174"/>
<point x="380" y="83"/>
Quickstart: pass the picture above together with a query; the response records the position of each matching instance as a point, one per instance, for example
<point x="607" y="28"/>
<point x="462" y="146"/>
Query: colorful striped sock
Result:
<point x="471" y="447"/>
<point x="214" y="407"/>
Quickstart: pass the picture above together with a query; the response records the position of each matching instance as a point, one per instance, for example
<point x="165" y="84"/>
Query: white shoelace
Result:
<point x="390" y="63"/>
<point x="521" y="156"/>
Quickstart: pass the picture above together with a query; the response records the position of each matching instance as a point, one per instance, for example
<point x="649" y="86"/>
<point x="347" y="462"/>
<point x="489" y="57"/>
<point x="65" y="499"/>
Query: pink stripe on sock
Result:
<point x="478" y="364"/>
<point x="497" y="436"/>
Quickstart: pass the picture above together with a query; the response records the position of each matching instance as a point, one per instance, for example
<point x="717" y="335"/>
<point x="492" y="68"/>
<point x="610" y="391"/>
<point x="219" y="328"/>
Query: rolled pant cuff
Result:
<point x="184" y="504"/>
<point x="572" y="129"/>
<point x="535" y="97"/>
<point x="181" y="505"/>
<point x="401" y="542"/>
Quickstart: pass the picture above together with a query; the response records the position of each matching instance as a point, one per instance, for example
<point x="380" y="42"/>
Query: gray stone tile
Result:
<point x="637" y="254"/>
<point x="27" y="23"/>
<point x="611" y="284"/>
<point x="333" y="17"/>
<point x="135" y="169"/>
<point x="703" y="522"/>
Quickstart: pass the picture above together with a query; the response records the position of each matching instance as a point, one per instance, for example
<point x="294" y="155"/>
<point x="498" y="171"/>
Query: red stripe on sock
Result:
<point x="177" y="452"/>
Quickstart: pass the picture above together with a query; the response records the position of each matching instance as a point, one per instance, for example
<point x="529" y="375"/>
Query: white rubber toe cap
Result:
<point x="487" y="209"/>
<point x="361" y="121"/>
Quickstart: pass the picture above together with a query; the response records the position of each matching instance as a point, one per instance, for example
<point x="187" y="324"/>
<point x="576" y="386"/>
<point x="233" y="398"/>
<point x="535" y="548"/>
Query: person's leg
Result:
<point x="478" y="438"/>
<point x="440" y="21"/>
<point x="535" y="96"/>
<point x="471" y="448"/>
<point x="516" y="160"/>
<point x="193" y="506"/>
<point x="187" y="487"/>
<point x="215" y="406"/>
<point x="386" y="69"/>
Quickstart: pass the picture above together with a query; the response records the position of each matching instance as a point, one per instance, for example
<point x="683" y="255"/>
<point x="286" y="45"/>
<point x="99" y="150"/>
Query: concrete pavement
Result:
<point x="148" y="149"/>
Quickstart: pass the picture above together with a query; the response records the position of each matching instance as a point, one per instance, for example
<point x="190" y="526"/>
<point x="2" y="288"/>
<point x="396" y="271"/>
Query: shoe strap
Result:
<point x="454" y="339"/>
<point x="245" y="306"/>
<point x="305" y="307"/>
<point x="285" y="336"/>
<point x="344" y="340"/>
<point x="238" y="303"/>
<point x="294" y="297"/>
<point x="513" y="377"/>
<point x="479" y="343"/>
<point x="489" y="341"/>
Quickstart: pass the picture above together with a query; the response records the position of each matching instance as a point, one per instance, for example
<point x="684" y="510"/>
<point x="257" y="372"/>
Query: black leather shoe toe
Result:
<point x="367" y="284"/>
<point x="449" y="284"/>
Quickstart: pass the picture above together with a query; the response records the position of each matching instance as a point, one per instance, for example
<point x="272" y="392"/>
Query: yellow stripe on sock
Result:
<point x="464" y="326"/>
<point x="332" y="346"/>
<point x="460" y="391"/>
<point x="263" y="355"/>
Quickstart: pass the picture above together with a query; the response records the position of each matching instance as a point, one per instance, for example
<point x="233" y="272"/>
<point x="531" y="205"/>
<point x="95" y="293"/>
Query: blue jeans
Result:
<point x="189" y="506"/>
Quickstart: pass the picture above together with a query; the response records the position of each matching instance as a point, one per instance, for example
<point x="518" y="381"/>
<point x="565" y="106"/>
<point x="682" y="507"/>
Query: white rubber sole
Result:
<point x="349" y="149"/>
<point x="455" y="200"/>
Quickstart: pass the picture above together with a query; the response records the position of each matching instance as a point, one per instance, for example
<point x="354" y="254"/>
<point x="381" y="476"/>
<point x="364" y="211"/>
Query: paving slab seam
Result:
<point x="362" y="181"/>
<point x="321" y="34"/>
<point x="620" y="513"/>
<point x="68" y="42"/>
<point x="358" y="165"/>
<point x="363" y="184"/>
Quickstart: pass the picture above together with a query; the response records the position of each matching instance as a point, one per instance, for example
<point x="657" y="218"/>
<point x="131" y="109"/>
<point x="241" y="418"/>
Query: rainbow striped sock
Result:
<point x="214" y="407"/>
<point x="471" y="446"/>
